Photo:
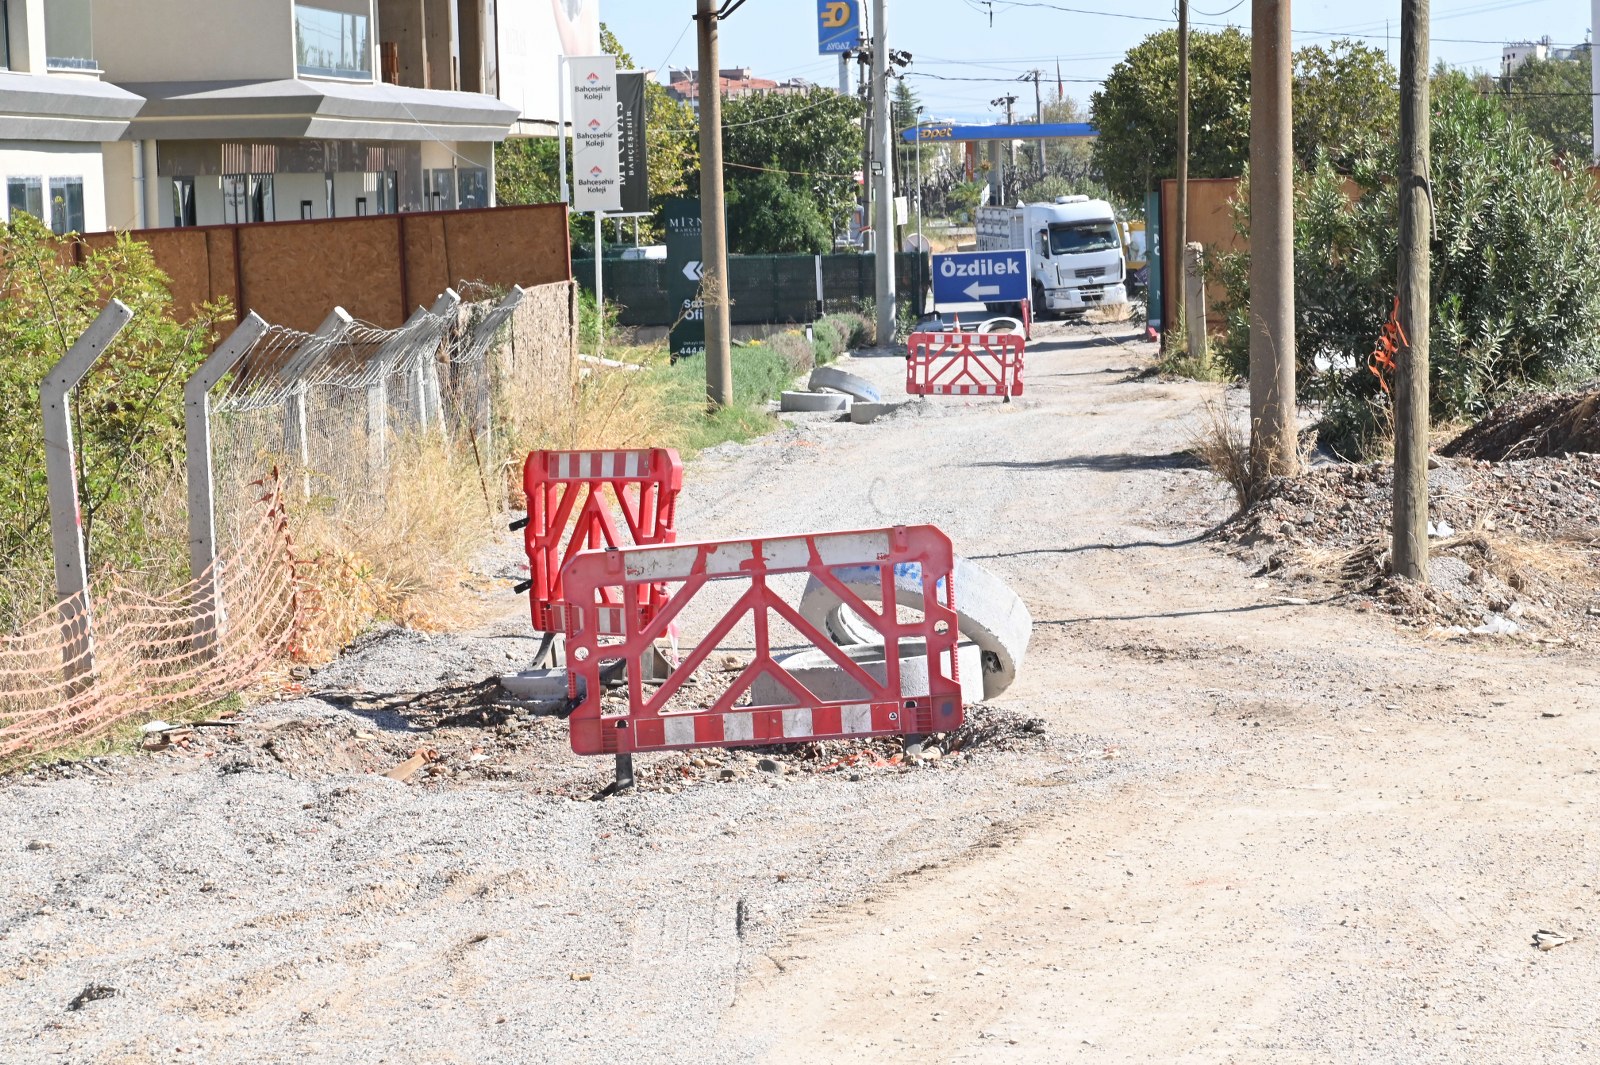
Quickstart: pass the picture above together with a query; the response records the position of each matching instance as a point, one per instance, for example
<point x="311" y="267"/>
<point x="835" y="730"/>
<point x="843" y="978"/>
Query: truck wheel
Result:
<point x="1041" y="310"/>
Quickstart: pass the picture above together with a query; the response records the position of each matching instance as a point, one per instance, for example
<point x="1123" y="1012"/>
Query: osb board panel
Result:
<point x="223" y="266"/>
<point x="508" y="246"/>
<point x="1211" y="224"/>
<point x="295" y="274"/>
<point x="427" y="265"/>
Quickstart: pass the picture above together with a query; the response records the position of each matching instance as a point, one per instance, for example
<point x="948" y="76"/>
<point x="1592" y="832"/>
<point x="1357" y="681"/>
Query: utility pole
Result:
<point x="883" y="137"/>
<point x="713" y="217"/>
<point x="1038" y="114"/>
<point x="1011" y="146"/>
<point x="1181" y="222"/>
<point x="863" y="80"/>
<point x="1409" y="536"/>
<point x="1594" y="75"/>
<point x="1273" y="439"/>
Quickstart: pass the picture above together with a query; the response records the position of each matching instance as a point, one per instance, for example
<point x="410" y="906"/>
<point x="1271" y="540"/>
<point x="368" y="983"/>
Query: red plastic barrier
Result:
<point x="653" y="721"/>
<point x="964" y="364"/>
<point x="568" y="513"/>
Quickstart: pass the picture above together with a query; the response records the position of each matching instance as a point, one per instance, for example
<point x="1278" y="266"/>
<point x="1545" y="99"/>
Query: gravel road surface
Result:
<point x="1246" y="829"/>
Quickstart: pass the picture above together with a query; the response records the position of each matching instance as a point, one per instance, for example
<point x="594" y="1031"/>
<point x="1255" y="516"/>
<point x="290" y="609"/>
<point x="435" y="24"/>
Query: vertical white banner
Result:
<point x="597" y="153"/>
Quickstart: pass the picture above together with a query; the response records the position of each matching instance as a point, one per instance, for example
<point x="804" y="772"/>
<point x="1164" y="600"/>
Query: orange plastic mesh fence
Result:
<point x="148" y="660"/>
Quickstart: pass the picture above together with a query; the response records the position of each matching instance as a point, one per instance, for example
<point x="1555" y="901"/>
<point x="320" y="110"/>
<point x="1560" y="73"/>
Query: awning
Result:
<point x="61" y="107"/>
<point x="321" y="110"/>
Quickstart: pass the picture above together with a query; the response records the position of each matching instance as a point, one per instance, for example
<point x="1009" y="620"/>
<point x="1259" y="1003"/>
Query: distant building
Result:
<point x="735" y="82"/>
<point x="1517" y="53"/>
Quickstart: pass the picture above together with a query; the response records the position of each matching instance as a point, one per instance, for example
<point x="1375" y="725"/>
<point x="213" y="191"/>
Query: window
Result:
<point x="68" y="35"/>
<point x="25" y="195"/>
<point x="247" y="198"/>
<point x="1085" y="236"/>
<point x="183" y="209"/>
<point x="440" y="191"/>
<point x="332" y="44"/>
<point x="474" y="183"/>
<point x="66" y="205"/>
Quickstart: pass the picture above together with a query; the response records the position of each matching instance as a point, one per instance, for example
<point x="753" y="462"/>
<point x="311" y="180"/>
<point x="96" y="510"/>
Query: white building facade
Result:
<point x="140" y="113"/>
<point x="59" y="120"/>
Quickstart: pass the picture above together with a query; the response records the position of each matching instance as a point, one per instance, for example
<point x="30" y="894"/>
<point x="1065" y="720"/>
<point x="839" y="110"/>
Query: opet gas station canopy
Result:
<point x="1035" y="132"/>
<point x="949" y="133"/>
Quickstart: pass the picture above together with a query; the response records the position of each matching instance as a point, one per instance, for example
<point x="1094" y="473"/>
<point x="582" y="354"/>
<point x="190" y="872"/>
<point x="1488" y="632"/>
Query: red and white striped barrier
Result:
<point x="964" y="364"/>
<point x="570" y="498"/>
<point x="671" y="717"/>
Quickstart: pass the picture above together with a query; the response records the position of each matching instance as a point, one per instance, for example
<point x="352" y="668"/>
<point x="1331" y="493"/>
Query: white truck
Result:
<point x="1075" y="251"/>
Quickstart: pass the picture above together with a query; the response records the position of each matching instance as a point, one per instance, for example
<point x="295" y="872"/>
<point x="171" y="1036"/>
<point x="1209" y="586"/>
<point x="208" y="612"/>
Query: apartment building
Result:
<point x="59" y="118"/>
<point x="141" y="113"/>
<point x="684" y="84"/>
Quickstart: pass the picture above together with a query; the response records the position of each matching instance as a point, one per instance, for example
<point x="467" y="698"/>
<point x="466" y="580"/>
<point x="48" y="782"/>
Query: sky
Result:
<point x="952" y="39"/>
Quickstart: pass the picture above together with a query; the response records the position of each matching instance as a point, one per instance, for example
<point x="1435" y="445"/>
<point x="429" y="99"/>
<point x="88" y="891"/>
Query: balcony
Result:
<point x="332" y="44"/>
<point x="69" y="35"/>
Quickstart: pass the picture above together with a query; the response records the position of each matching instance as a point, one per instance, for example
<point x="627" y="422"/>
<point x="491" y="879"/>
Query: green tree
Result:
<point x="811" y="146"/>
<point x="1516" y="270"/>
<point x="1136" y="114"/>
<point x="1346" y="101"/>
<point x="1552" y="98"/>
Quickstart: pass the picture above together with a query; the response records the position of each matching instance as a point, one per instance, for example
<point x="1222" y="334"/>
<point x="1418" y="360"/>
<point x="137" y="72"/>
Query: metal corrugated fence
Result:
<point x="764" y="288"/>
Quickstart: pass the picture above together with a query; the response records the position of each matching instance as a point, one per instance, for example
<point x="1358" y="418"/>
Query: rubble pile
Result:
<point x="1534" y="426"/>
<point x="1516" y="544"/>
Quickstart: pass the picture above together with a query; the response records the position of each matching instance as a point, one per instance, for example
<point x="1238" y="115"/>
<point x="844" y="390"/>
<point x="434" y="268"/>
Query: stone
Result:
<point x="769" y="765"/>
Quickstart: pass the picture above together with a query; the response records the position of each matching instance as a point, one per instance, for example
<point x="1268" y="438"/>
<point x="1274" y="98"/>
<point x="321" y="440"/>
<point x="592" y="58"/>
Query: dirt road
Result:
<point x="1258" y="831"/>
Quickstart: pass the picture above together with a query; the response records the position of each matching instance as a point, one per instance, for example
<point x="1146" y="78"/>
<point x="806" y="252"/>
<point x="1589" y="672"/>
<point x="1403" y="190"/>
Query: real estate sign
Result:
<point x="687" y="313"/>
<point x="596" y="153"/>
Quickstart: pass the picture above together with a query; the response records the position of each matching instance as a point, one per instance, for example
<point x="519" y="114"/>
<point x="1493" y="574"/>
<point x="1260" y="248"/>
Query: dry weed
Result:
<point x="400" y="555"/>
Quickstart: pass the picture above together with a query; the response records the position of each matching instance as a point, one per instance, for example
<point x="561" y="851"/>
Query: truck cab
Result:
<point x="1075" y="250"/>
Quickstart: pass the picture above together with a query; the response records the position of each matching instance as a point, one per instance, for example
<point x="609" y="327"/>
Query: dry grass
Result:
<point x="1224" y="446"/>
<point x="402" y="556"/>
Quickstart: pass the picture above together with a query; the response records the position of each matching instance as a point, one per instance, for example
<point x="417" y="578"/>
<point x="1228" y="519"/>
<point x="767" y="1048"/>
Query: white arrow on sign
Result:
<point x="977" y="291"/>
<point x="695" y="272"/>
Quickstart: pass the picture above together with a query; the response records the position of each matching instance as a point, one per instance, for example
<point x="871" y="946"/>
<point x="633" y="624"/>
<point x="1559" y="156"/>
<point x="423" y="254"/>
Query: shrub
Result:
<point x="128" y="412"/>
<point x="1516" y="272"/>
<point x="795" y="349"/>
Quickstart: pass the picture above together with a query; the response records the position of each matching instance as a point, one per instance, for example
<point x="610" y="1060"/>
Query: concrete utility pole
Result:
<point x="713" y="218"/>
<point x="1038" y="115"/>
<point x="1007" y="102"/>
<point x="1181" y="221"/>
<point x="1594" y="76"/>
<point x="883" y="138"/>
<point x="1272" y="349"/>
<point x="1409" y="536"/>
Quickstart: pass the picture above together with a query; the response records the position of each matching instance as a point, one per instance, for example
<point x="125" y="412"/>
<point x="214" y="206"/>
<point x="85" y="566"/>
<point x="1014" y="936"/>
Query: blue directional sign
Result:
<point x="947" y="131"/>
<point x="981" y="277"/>
<point x="838" y="26"/>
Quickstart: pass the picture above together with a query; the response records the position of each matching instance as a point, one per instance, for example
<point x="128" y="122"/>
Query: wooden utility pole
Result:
<point x="1409" y="547"/>
<point x="1273" y="429"/>
<point x="1181" y="223"/>
<point x="713" y="217"/>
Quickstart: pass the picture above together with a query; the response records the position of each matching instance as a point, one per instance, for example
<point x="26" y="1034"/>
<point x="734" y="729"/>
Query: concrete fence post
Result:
<point x="208" y="606"/>
<point x="1194" y="295"/>
<point x="61" y="472"/>
<point x="446" y="307"/>
<point x="377" y="428"/>
<point x="296" y="430"/>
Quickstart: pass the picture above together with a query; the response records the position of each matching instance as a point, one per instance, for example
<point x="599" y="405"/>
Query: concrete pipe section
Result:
<point x="826" y="377"/>
<point x="811" y="402"/>
<point x="988" y="613"/>
<point x="825" y="679"/>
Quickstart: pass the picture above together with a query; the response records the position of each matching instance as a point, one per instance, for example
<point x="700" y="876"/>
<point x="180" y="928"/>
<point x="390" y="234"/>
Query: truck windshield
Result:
<point x="1085" y="236"/>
